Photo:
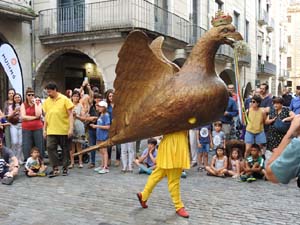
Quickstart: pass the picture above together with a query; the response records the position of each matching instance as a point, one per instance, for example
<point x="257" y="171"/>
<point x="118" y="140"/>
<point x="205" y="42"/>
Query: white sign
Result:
<point x="12" y="67"/>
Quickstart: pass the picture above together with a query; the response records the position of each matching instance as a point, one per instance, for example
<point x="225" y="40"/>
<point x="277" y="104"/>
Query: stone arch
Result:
<point x="247" y="90"/>
<point x="228" y="76"/>
<point x="44" y="64"/>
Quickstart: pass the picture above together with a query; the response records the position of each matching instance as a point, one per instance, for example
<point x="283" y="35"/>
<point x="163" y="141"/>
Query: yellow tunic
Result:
<point x="173" y="151"/>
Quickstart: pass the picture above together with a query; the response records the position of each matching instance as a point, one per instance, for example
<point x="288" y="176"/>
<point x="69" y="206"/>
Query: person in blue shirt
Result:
<point x="229" y="114"/>
<point x="102" y="127"/>
<point x="147" y="161"/>
<point x="295" y="103"/>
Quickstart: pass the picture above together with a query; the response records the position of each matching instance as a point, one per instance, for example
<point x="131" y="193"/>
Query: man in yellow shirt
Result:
<point x="58" y="127"/>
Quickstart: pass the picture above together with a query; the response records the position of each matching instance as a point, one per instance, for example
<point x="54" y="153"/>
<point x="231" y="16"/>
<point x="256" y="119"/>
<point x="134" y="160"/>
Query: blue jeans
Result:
<point x="92" y="141"/>
<point x="32" y="138"/>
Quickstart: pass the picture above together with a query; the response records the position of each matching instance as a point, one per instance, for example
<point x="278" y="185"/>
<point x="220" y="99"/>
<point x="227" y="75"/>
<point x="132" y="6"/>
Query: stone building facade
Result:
<point x="15" y="28"/>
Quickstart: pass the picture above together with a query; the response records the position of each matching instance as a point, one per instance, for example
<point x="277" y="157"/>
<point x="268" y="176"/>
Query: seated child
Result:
<point x="218" y="166"/>
<point x="147" y="161"/>
<point x="254" y="165"/>
<point x="234" y="167"/>
<point x="34" y="165"/>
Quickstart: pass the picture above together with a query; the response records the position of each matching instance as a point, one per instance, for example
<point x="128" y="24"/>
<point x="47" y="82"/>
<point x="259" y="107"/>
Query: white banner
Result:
<point x="12" y="67"/>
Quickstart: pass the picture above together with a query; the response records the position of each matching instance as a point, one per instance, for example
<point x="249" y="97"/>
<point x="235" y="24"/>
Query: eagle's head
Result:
<point x="225" y="34"/>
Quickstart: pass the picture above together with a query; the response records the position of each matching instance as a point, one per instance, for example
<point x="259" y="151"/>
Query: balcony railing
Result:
<point x="266" y="68"/>
<point x="284" y="74"/>
<point x="117" y="15"/>
<point x="270" y="25"/>
<point x="262" y="17"/>
<point x="225" y="53"/>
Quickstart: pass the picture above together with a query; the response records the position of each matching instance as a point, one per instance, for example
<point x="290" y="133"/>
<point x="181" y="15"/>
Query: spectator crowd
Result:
<point x="56" y="127"/>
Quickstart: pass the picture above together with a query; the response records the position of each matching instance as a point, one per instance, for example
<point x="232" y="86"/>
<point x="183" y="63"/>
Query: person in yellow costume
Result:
<point x="172" y="158"/>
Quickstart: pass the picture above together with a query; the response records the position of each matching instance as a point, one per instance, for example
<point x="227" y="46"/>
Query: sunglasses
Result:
<point x="30" y="94"/>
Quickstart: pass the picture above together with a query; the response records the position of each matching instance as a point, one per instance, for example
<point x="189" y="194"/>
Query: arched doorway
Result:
<point x="247" y="90"/>
<point x="228" y="76"/>
<point x="68" y="68"/>
<point x="3" y="79"/>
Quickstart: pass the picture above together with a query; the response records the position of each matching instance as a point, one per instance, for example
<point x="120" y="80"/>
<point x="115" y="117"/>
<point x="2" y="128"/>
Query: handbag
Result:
<point x="281" y="126"/>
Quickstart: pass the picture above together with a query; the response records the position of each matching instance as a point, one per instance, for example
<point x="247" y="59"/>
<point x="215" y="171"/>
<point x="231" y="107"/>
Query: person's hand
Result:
<point x="85" y="83"/>
<point x="199" y="145"/>
<point x="70" y="133"/>
<point x="92" y="126"/>
<point x="284" y="120"/>
<point x="44" y="134"/>
<point x="225" y="113"/>
<point x="295" y="127"/>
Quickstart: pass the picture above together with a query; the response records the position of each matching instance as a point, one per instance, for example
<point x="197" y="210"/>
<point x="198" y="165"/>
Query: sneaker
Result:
<point x="194" y="164"/>
<point x="98" y="169"/>
<point x="250" y="179"/>
<point x="90" y="166"/>
<point x="65" y="171"/>
<point x="7" y="180"/>
<point x="183" y="213"/>
<point x="103" y="171"/>
<point x="183" y="174"/>
<point x="140" y="198"/>
<point x="298" y="181"/>
<point x="41" y="174"/>
<point x="243" y="178"/>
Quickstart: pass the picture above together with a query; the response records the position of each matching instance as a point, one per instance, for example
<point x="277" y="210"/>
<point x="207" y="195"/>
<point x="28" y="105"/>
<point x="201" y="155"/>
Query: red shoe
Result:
<point x="143" y="203"/>
<point x="181" y="212"/>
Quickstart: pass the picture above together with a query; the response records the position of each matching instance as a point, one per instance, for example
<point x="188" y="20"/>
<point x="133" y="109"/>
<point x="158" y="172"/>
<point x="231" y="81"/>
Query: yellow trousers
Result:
<point x="173" y="176"/>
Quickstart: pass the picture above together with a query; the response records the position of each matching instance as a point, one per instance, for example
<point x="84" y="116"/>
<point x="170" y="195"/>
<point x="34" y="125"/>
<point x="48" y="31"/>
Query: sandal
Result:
<point x="71" y="166"/>
<point x="91" y="166"/>
<point x="80" y="166"/>
<point x="65" y="171"/>
<point x="54" y="173"/>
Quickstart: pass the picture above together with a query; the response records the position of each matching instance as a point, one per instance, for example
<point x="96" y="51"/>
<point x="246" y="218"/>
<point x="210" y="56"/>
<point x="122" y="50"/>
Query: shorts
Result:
<point x="205" y="148"/>
<point x="287" y="165"/>
<point x="34" y="170"/>
<point x="259" y="138"/>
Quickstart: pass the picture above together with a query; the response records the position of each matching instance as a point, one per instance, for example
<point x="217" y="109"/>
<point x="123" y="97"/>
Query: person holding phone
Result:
<point x="32" y="126"/>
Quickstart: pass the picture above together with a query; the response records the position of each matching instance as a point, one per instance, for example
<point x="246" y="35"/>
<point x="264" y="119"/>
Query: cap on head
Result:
<point x="102" y="104"/>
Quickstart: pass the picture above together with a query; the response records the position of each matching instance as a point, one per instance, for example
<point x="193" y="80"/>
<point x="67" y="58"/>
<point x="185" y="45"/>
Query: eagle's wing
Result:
<point x="139" y="72"/>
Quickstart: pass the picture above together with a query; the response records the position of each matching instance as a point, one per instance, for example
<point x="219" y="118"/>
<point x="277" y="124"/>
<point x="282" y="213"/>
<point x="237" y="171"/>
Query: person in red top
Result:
<point x="32" y="126"/>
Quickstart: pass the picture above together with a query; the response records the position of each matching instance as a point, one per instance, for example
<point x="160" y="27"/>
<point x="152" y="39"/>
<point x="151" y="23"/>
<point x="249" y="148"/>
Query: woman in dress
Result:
<point x="79" y="131"/>
<point x="277" y="112"/>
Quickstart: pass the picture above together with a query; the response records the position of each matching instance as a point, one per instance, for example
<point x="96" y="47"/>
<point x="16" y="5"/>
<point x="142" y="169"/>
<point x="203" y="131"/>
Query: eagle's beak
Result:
<point x="232" y="37"/>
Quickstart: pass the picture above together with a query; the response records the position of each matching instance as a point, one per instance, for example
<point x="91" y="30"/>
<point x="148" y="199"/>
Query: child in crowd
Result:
<point x="218" y="166"/>
<point x="218" y="136"/>
<point x="147" y="161"/>
<point x="254" y="165"/>
<point x="127" y="156"/>
<point x="102" y="127"/>
<point x="234" y="168"/>
<point x="34" y="165"/>
<point x="203" y="141"/>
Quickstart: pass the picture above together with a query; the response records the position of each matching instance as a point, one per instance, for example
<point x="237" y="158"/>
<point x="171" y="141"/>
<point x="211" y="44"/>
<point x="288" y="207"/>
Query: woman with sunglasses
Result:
<point x="277" y="112"/>
<point x="32" y="126"/>
<point x="16" y="128"/>
<point x="255" y="133"/>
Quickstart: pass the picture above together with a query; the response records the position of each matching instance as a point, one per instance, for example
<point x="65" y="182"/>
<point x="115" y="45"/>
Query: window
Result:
<point x="236" y="16"/>
<point x="218" y="5"/>
<point x="247" y="31"/>
<point x="289" y="63"/>
<point x="289" y="18"/>
<point x="289" y="39"/>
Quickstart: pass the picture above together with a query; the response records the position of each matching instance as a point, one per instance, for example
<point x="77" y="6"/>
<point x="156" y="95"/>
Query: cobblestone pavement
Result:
<point x="85" y="197"/>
